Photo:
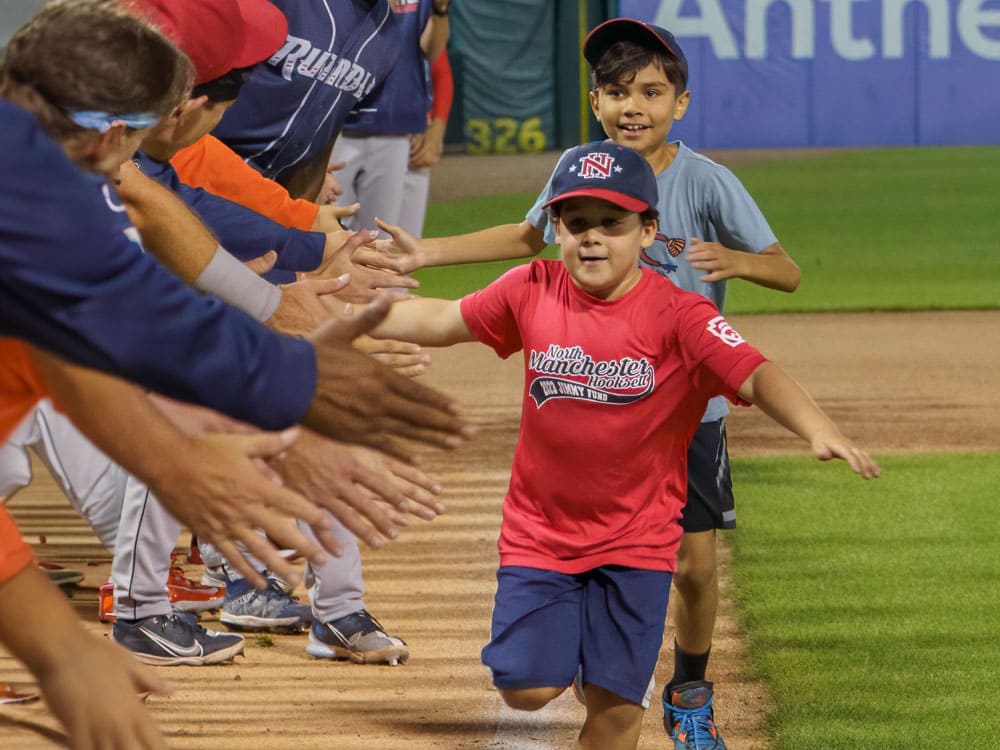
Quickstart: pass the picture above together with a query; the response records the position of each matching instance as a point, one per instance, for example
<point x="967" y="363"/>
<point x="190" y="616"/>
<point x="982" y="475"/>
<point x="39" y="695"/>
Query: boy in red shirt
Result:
<point x="619" y="365"/>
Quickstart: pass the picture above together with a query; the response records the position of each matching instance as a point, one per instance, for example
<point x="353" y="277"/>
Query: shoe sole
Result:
<point x="391" y="655"/>
<point x="216" y="657"/>
<point x="249" y="623"/>
<point x="188" y="605"/>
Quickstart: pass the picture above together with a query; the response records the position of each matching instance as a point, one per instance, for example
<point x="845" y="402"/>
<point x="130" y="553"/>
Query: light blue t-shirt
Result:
<point x="697" y="198"/>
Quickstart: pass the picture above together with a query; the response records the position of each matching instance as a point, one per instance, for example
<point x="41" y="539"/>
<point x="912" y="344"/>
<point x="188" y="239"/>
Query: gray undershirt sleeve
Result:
<point x="232" y="282"/>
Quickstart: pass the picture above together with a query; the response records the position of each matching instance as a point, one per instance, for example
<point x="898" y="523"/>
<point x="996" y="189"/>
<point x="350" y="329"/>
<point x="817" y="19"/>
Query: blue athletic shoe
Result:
<point x="269" y="608"/>
<point x="358" y="637"/>
<point x="688" y="717"/>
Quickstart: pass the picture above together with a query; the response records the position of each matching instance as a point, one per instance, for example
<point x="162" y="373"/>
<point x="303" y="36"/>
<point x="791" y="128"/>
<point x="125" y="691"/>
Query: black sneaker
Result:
<point x="358" y="637"/>
<point x="170" y="640"/>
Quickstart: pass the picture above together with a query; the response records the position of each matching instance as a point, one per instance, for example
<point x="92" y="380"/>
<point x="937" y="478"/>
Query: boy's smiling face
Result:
<point x="639" y="113"/>
<point x="600" y="243"/>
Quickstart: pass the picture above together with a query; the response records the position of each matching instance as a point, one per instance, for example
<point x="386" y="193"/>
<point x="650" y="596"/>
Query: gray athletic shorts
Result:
<point x="710" y="503"/>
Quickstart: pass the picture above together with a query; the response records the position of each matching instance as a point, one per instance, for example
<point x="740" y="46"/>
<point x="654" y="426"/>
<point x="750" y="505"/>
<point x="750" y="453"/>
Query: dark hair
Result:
<point x="650" y="214"/>
<point x="91" y="55"/>
<point x="225" y="88"/>
<point x="623" y="60"/>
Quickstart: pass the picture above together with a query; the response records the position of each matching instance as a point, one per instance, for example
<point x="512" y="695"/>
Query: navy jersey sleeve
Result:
<point x="74" y="281"/>
<point x="242" y="231"/>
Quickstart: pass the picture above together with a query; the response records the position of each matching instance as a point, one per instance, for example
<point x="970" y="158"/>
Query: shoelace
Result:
<point x="697" y="722"/>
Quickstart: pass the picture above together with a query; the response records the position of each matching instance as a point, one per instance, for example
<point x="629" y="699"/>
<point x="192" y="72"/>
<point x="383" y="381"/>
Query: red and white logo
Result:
<point x="596" y="165"/>
<point x="718" y="327"/>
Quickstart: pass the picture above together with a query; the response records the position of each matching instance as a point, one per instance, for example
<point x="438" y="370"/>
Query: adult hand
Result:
<point x="370" y="498"/>
<point x="331" y="189"/>
<point x="365" y="268"/>
<point x="361" y="401"/>
<point x="404" y="357"/>
<point x="305" y="304"/>
<point x="426" y="148"/>
<point x="113" y="715"/>
<point x="720" y="262"/>
<point x="214" y="488"/>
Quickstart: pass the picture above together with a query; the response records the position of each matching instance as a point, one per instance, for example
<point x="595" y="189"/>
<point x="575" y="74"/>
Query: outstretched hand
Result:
<point x="361" y="401"/>
<point x="368" y="268"/>
<point x="405" y="358"/>
<point x="370" y="497"/>
<point x="401" y="246"/>
<point x="827" y="447"/>
<point x="219" y="491"/>
<point x="305" y="305"/>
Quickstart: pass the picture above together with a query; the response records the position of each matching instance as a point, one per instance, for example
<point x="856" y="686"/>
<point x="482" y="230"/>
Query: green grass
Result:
<point x="890" y="229"/>
<point x="871" y="607"/>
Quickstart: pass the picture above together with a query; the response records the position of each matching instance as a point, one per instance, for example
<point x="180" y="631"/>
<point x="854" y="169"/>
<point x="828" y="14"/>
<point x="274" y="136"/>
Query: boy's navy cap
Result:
<point x="605" y="170"/>
<point x="644" y="34"/>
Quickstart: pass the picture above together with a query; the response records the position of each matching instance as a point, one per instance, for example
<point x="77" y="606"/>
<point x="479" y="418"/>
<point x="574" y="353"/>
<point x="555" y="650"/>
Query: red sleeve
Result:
<point x="210" y="164"/>
<point x="718" y="358"/>
<point x="443" y="86"/>
<point x="491" y="313"/>
<point x="15" y="554"/>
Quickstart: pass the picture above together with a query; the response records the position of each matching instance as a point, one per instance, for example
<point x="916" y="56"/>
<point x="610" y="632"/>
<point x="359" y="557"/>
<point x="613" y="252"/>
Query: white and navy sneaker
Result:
<point x="358" y="637"/>
<point x="269" y="608"/>
<point x="172" y="640"/>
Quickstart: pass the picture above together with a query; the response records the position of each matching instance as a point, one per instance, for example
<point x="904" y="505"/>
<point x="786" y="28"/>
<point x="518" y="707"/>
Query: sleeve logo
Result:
<point x="718" y="327"/>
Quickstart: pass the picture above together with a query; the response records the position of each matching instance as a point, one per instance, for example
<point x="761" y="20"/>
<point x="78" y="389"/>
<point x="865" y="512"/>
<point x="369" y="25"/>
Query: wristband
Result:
<point x="231" y="281"/>
<point x="438" y="12"/>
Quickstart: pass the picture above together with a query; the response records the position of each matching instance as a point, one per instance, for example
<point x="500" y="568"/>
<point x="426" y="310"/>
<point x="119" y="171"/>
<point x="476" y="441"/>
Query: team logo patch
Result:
<point x="567" y="372"/>
<point x="719" y="328"/>
<point x="667" y="266"/>
<point x="675" y="245"/>
<point x="597" y="166"/>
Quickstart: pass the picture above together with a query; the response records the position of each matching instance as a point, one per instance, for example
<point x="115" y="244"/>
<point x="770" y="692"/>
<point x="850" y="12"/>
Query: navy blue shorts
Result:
<point x="546" y="625"/>
<point x="710" y="503"/>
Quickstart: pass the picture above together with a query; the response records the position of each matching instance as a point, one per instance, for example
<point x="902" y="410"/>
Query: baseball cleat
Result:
<point x="190" y="596"/>
<point x="269" y="608"/>
<point x="173" y="640"/>
<point x="358" y="637"/>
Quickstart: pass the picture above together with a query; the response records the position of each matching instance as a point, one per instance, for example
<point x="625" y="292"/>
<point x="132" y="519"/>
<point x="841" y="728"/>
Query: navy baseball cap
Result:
<point x="644" y="34"/>
<point x="605" y="170"/>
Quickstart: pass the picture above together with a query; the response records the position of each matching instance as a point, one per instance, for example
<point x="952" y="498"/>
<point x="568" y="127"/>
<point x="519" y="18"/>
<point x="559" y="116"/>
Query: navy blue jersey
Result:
<point x="242" y="231"/>
<point x="295" y="104"/>
<point x="400" y="106"/>
<point x="75" y="281"/>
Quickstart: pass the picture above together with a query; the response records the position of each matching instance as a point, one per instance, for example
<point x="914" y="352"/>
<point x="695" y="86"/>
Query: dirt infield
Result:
<point x="895" y="382"/>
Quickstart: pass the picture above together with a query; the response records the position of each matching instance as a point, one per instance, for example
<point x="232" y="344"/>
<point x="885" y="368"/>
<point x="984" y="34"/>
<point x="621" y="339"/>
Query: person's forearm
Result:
<point x="425" y="321"/>
<point x="779" y="396"/>
<point x="434" y="37"/>
<point x="773" y="268"/>
<point x="503" y="242"/>
<point x="169" y="229"/>
<point x="30" y="606"/>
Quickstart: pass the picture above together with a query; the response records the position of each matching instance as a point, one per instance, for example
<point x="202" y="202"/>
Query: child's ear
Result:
<point x="593" y="103"/>
<point x="682" y="104"/>
<point x="649" y="229"/>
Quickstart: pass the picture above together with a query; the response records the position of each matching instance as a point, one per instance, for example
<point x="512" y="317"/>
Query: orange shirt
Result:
<point x="210" y="164"/>
<point x="21" y="386"/>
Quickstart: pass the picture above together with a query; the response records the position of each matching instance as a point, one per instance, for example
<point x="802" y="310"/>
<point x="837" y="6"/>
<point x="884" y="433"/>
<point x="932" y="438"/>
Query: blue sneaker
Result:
<point x="173" y="640"/>
<point x="688" y="716"/>
<point x="358" y="637"/>
<point x="269" y="608"/>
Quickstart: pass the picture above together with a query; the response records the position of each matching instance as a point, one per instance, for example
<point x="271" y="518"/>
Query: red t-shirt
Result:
<point x="613" y="394"/>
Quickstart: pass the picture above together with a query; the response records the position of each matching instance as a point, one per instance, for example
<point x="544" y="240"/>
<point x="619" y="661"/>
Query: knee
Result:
<point x="695" y="572"/>
<point x="530" y="699"/>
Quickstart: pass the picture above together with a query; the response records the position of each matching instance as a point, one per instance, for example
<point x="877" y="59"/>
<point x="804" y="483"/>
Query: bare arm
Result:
<point x="434" y="37"/>
<point x="208" y="482"/>
<point x="425" y="321"/>
<point x="780" y="397"/>
<point x="503" y="242"/>
<point x="39" y="627"/>
<point x="772" y="267"/>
